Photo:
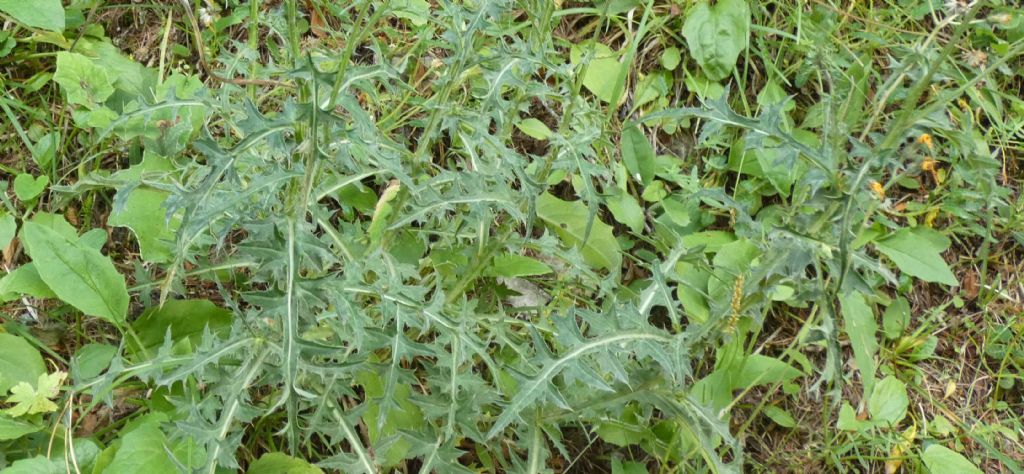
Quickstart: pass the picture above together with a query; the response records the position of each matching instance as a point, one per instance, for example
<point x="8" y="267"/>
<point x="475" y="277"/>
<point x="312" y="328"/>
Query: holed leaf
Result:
<point x="84" y="83"/>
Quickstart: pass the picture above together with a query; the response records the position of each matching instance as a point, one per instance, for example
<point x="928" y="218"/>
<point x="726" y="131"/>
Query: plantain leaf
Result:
<point x="637" y="154"/>
<point x="859" y="324"/>
<point x="79" y="275"/>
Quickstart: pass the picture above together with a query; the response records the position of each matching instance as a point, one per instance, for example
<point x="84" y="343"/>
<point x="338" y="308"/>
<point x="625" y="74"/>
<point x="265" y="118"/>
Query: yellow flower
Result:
<point x="877" y="188"/>
<point x="926" y="140"/>
<point x="928" y="164"/>
<point x="931" y="166"/>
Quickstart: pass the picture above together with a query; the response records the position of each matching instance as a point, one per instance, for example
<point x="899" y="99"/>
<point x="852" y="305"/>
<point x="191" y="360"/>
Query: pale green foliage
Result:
<point x="29" y="400"/>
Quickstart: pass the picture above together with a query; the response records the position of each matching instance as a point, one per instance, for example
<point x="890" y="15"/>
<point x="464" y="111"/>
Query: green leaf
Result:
<point x="681" y="213"/>
<point x="84" y="83"/>
<point x="144" y="213"/>
<point x="123" y="72"/>
<point x="36" y="465"/>
<point x="625" y="429"/>
<point x="779" y="416"/>
<point x="615" y="7"/>
<point x="144" y="450"/>
<point x="626" y="210"/>
<point x="655" y="192"/>
<point x="848" y="419"/>
<point x="628" y="467"/>
<point x="24" y="280"/>
<point x="691" y="291"/>
<point x="45" y="149"/>
<point x="7" y="43"/>
<point x="716" y="35"/>
<point x="280" y="463"/>
<point x="670" y="58"/>
<point x="382" y="212"/>
<point x="940" y="427"/>
<point x="94" y="238"/>
<point x="29" y="400"/>
<point x="19" y="362"/>
<point x="80" y="276"/>
<point x="8" y="229"/>
<point x="772" y="93"/>
<point x="637" y="154"/>
<point x="652" y="87"/>
<point x="859" y="324"/>
<point x="12" y="428"/>
<point x="185" y="319"/>
<point x="27" y="187"/>
<point x="763" y="370"/>
<point x="855" y="87"/>
<point x="56" y="223"/>
<point x="940" y="459"/>
<point x="713" y="241"/>
<point x="43" y="14"/>
<point x="602" y="70"/>
<point x="888" y="402"/>
<point x="397" y="411"/>
<point x="92" y="359"/>
<point x="569" y="221"/>
<point x="534" y="128"/>
<point x="511" y="266"/>
<point x="918" y="252"/>
<point x="896" y="318"/>
<point x="416" y="11"/>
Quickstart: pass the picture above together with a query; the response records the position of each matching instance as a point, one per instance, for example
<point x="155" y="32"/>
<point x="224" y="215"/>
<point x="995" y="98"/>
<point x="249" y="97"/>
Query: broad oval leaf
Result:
<point x="80" y="276"/>
<point x="84" y="82"/>
<point x="637" y="154"/>
<point x="569" y="221"/>
<point x="8" y="229"/>
<point x="13" y="428"/>
<point x="280" y="463"/>
<point x="511" y="266"/>
<point x="43" y="14"/>
<point x="534" y="128"/>
<point x="888" y="402"/>
<point x="860" y="326"/>
<point x="145" y="449"/>
<point x="716" y="35"/>
<point x="763" y="370"/>
<point x="918" y="252"/>
<point x="939" y="459"/>
<point x="19" y="362"/>
<point x="626" y="210"/>
<point x="602" y="71"/>
<point x="186" y="320"/>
